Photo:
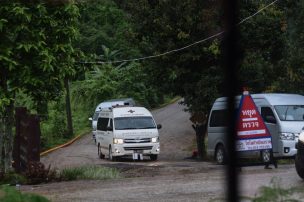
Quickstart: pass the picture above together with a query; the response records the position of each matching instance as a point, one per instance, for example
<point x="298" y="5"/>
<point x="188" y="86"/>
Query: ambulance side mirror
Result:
<point x="270" y="119"/>
<point x="159" y="126"/>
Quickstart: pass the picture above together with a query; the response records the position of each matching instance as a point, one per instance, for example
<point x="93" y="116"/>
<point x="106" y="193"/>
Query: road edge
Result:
<point x="61" y="146"/>
<point x="79" y="136"/>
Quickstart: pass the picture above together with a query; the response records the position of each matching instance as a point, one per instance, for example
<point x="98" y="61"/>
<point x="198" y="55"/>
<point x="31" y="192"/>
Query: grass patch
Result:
<point x="272" y="193"/>
<point x="276" y="193"/>
<point x="12" y="178"/>
<point x="89" y="172"/>
<point x="10" y="194"/>
<point x="286" y="161"/>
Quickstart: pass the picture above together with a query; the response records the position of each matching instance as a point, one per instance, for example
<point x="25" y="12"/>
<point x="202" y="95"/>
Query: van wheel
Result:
<point x="153" y="157"/>
<point x="100" y="155"/>
<point x="265" y="156"/>
<point x="220" y="155"/>
<point x="299" y="163"/>
<point x="111" y="157"/>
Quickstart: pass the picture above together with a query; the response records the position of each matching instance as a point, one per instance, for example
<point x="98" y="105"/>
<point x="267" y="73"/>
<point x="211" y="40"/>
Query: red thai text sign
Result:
<point x="252" y="133"/>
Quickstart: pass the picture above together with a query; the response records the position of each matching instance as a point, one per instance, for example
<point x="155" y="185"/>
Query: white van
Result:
<point x="283" y="115"/>
<point x="107" y="104"/>
<point x="127" y="131"/>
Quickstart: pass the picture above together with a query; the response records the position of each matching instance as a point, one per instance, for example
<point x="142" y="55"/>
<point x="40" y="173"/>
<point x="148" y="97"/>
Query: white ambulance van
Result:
<point x="283" y="115"/>
<point x="106" y="104"/>
<point x="127" y="131"/>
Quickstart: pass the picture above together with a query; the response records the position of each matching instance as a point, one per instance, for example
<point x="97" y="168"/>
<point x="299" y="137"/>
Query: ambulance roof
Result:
<point x="130" y="111"/>
<point x="113" y="102"/>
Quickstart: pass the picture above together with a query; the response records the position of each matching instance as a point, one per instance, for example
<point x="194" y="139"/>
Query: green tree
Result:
<point x="292" y="79"/>
<point x="192" y="73"/>
<point x="195" y="73"/>
<point x="263" y="42"/>
<point x="167" y="25"/>
<point x="103" y="24"/>
<point x="35" y="56"/>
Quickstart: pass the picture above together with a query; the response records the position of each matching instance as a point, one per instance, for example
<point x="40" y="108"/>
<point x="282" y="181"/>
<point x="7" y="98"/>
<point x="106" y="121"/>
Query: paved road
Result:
<point x="172" y="178"/>
<point x="176" y="139"/>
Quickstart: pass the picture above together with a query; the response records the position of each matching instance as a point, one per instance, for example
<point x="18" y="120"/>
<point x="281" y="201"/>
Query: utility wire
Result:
<point x="182" y="48"/>
<point x="245" y="19"/>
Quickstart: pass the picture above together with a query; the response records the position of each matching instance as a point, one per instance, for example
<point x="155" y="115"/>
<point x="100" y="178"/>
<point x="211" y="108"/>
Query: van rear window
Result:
<point x="218" y="118"/>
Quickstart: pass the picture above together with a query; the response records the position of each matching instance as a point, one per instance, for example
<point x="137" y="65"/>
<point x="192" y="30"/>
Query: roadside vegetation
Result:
<point x="11" y="194"/>
<point x="89" y="173"/>
<point x="276" y="193"/>
<point x="43" y="175"/>
<point x="273" y="193"/>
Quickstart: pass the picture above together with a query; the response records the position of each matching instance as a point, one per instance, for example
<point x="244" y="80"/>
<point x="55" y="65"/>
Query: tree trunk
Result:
<point x="8" y="137"/>
<point x="68" y="108"/>
<point x="200" y="131"/>
<point x="6" y="127"/>
<point x="1" y="143"/>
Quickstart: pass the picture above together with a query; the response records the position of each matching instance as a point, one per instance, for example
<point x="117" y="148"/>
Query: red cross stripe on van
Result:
<point x="252" y="133"/>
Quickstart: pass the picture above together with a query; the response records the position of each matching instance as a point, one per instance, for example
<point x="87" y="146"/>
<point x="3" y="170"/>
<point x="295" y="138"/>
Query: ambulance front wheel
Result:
<point x="100" y="154"/>
<point x="299" y="166"/>
<point x="111" y="157"/>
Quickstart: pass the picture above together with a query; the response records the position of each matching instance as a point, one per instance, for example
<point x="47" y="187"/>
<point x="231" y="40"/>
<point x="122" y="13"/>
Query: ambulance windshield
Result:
<point x="130" y="123"/>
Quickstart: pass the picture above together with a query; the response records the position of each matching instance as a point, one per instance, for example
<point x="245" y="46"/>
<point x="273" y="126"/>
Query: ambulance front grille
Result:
<point x="138" y="148"/>
<point x="141" y="140"/>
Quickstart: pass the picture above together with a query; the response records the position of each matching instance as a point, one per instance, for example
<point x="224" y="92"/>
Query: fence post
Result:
<point x="27" y="139"/>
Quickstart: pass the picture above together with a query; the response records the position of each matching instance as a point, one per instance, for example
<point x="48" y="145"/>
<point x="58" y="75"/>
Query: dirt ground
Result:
<point x="174" y="177"/>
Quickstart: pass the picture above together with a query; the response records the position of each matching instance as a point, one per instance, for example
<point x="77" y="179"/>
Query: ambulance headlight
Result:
<point x="118" y="141"/>
<point x="287" y="136"/>
<point x="301" y="136"/>
<point x="154" y="139"/>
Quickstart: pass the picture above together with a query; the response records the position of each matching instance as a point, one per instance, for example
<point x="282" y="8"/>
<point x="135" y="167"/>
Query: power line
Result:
<point x="182" y="48"/>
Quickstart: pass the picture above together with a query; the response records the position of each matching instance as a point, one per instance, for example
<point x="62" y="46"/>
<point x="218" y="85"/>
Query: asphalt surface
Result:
<point x="176" y="141"/>
<point x="174" y="177"/>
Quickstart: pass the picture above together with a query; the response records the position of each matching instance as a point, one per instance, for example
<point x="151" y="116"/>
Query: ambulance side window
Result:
<point x="111" y="124"/>
<point x="102" y="124"/>
<point x="267" y="115"/>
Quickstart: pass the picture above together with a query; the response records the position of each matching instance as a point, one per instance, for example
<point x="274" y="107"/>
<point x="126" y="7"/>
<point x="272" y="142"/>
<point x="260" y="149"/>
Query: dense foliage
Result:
<point x="36" y="54"/>
<point x="8" y="193"/>
<point x="196" y="72"/>
<point x="168" y="25"/>
<point x="42" y="44"/>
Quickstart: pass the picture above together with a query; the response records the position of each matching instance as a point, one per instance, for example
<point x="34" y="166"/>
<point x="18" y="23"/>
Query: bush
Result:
<point x="37" y="173"/>
<point x="10" y="194"/>
<point x="12" y="178"/>
<point x="89" y="172"/>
